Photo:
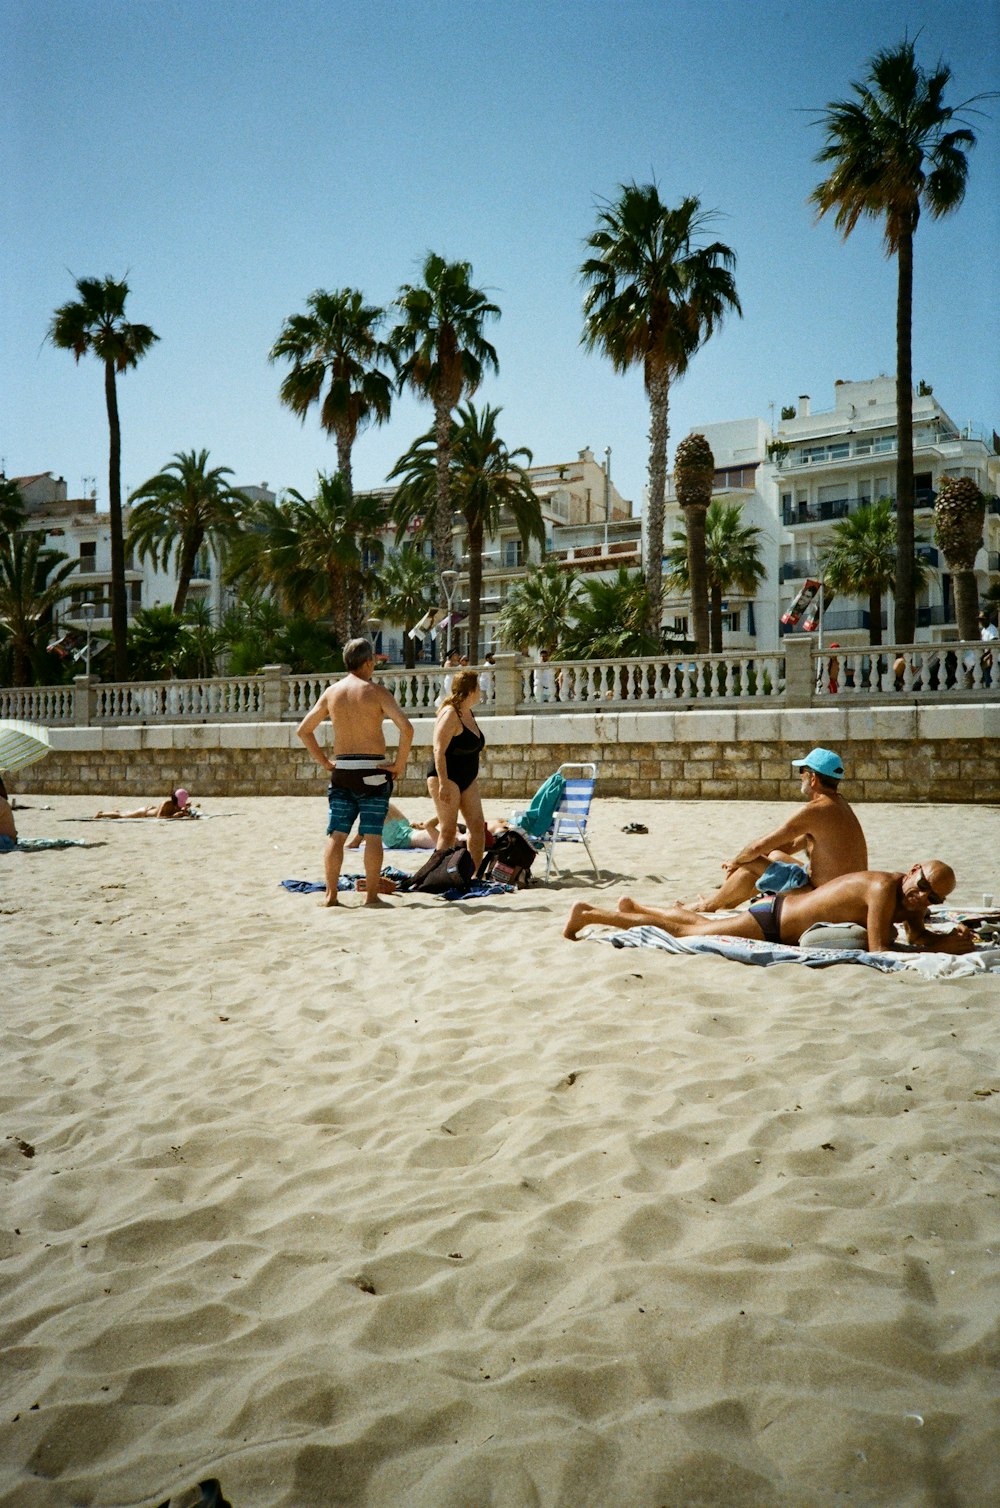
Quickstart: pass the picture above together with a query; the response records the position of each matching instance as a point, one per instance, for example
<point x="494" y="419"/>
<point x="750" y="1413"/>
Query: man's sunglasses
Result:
<point x="925" y="888"/>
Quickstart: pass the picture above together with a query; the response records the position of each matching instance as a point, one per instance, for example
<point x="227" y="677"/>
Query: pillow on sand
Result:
<point x="847" y="936"/>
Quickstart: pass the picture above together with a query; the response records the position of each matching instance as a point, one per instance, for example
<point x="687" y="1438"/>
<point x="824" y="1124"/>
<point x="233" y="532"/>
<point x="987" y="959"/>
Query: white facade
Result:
<point x="827" y="464"/>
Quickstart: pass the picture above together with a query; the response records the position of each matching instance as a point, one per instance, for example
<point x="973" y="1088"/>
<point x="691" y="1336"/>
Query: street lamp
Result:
<point x="87" y="608"/>
<point x="607" y="493"/>
<point x="449" y="580"/>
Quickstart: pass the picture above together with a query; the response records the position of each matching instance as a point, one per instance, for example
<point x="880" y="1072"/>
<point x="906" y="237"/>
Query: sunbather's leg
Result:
<point x="740" y="884"/>
<point x="584" y="915"/>
<point x="680" y="921"/>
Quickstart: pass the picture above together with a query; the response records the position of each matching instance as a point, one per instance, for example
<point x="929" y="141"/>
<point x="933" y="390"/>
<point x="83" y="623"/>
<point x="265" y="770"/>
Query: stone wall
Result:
<point x="905" y="754"/>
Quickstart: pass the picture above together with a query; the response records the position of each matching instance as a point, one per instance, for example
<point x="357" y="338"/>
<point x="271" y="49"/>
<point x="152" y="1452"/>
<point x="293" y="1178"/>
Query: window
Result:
<point x="88" y="555"/>
<point x="135" y="595"/>
<point x="513" y="552"/>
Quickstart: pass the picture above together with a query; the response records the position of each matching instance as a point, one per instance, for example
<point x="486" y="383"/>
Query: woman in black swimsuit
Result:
<point x="453" y="773"/>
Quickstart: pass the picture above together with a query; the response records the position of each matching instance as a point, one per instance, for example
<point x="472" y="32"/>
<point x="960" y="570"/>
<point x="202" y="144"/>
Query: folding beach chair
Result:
<point x="569" y="825"/>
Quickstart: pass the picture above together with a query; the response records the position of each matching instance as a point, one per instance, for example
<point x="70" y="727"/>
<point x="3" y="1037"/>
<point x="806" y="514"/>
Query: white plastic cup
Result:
<point x="987" y="898"/>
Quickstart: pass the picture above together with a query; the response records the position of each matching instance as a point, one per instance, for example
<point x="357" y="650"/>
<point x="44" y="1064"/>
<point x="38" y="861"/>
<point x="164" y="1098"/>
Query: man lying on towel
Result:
<point x="873" y="899"/>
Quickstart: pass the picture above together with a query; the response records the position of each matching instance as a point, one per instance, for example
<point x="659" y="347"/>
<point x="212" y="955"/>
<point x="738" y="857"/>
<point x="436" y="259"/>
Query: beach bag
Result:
<point x="509" y="861"/>
<point x="446" y="869"/>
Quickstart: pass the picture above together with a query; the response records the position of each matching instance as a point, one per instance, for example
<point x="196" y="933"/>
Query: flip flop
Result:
<point x="635" y="827"/>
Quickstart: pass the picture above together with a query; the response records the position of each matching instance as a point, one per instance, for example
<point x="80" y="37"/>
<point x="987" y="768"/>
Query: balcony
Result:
<point x="933" y="617"/>
<point x="795" y="570"/>
<point x="929" y="555"/>
<point x="817" y="513"/>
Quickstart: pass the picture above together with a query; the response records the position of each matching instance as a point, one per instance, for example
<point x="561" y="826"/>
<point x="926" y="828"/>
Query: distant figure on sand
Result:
<point x="453" y="773"/>
<point x="361" y="777"/>
<point x="825" y="829"/>
<point x="399" y="832"/>
<point x="8" y="827"/>
<point x="177" y="804"/>
<point x="875" y="899"/>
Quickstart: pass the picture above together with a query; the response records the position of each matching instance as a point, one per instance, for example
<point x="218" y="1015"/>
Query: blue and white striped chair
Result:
<point x="569" y="825"/>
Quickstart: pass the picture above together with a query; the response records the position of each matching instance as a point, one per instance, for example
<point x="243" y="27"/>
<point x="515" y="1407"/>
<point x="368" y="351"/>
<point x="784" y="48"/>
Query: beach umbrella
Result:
<point x="21" y="744"/>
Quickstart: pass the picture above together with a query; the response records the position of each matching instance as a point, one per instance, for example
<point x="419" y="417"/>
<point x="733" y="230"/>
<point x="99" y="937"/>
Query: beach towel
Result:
<point x="536" y="819"/>
<point x="346" y="882"/>
<point x="763" y="954"/>
<point x="36" y="845"/>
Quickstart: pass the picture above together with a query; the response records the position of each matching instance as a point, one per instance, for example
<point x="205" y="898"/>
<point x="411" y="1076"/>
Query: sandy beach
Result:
<point x="430" y="1207"/>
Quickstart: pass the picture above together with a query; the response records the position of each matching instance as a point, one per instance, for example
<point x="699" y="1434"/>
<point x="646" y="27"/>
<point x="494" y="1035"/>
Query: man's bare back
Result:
<point x="825" y="830"/>
<point x="357" y="708"/>
<point x="877" y="900"/>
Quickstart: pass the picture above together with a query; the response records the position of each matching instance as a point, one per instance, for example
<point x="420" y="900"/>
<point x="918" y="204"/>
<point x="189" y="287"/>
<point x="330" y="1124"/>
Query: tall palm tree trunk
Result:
<point x="443" y="552"/>
<point x="339" y="609"/>
<point x="119" y="611"/>
<point x="698" y="576"/>
<point x="966" y="590"/>
<point x="875" y="617"/>
<point x="475" y="533"/>
<point x="905" y="618"/>
<point x="185" y="568"/>
<point x="345" y="445"/>
<point x="659" y="398"/>
<point x="715" y="598"/>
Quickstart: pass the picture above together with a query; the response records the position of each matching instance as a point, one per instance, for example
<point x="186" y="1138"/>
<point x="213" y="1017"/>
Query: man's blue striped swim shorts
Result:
<point x="359" y="788"/>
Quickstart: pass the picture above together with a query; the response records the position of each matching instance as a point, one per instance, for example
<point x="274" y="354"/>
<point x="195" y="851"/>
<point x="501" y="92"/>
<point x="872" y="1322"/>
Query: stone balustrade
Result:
<point x="800" y="674"/>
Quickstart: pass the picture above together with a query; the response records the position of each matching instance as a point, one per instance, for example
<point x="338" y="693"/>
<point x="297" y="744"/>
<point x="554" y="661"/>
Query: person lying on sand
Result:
<point x="8" y="827"/>
<point x="875" y="899"/>
<point x="825" y="830"/>
<point x="177" y="804"/>
<point x="399" y="832"/>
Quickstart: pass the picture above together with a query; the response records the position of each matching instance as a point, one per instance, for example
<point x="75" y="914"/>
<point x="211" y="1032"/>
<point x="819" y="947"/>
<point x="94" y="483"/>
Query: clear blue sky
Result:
<point x="232" y="157"/>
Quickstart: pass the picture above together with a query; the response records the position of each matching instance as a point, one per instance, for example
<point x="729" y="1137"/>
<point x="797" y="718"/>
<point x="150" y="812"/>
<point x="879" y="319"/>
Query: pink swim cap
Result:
<point x="181" y="796"/>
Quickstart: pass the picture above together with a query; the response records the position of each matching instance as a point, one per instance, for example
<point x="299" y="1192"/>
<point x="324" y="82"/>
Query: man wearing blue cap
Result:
<point x="825" y="830"/>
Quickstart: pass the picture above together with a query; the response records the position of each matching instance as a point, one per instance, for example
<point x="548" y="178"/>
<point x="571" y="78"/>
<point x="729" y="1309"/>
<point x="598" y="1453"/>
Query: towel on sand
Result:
<point x="35" y="845"/>
<point x="750" y="950"/>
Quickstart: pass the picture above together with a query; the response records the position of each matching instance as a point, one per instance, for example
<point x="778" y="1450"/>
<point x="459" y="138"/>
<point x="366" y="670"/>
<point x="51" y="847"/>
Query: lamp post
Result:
<point x="449" y="580"/>
<point x="607" y="494"/>
<point x="87" y="608"/>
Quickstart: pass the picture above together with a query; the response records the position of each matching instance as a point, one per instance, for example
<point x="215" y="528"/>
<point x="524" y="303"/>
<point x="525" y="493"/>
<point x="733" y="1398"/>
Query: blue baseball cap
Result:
<point x="823" y="762"/>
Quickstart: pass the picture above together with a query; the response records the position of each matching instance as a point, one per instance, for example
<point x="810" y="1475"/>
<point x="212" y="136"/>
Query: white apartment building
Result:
<point x="825" y="465"/>
<point x="75" y="528"/>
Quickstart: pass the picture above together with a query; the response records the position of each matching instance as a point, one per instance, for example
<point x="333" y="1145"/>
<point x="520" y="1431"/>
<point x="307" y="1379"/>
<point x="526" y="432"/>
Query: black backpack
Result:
<point x="446" y="869"/>
<point x="509" y="861"/>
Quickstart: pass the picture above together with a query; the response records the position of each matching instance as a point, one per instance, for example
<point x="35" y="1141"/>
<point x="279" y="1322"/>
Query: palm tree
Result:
<point x="441" y="354"/>
<point x="255" y="632"/>
<point x="32" y="583"/>
<point x="312" y="551"/>
<point x="336" y="345"/>
<point x="861" y="561"/>
<point x="612" y="619"/>
<point x="732" y="556"/>
<point x="181" y="507"/>
<point x="694" y="475"/>
<point x="959" y="512"/>
<point x="654" y="297"/>
<point x="12" y="511"/>
<point x="538" y="607"/>
<point x="403" y="592"/>
<point x="96" y="324"/>
<point x="893" y="153"/>
<point x="487" y="480"/>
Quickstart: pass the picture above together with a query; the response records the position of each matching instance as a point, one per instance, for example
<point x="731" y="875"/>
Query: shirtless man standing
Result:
<point x="360" y="778"/>
<point x="825" y="829"/>
<point x="876" y="900"/>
